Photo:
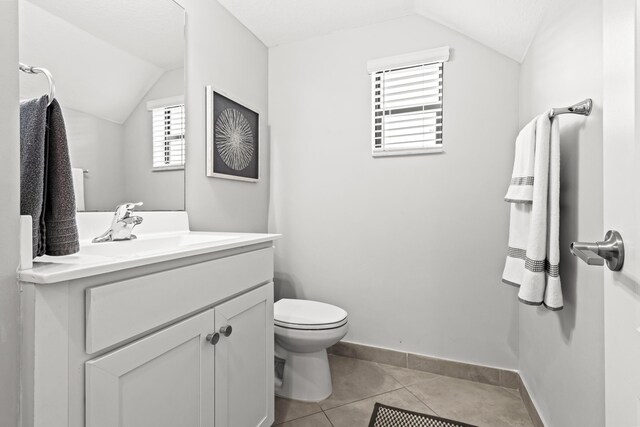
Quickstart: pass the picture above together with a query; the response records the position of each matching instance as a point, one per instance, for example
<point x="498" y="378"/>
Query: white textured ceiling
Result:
<point x="144" y="28"/>
<point x="282" y="21"/>
<point x="508" y="26"/>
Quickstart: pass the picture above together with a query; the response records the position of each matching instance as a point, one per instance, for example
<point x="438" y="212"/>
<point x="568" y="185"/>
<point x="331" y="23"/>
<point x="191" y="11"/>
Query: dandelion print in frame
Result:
<point x="232" y="139"/>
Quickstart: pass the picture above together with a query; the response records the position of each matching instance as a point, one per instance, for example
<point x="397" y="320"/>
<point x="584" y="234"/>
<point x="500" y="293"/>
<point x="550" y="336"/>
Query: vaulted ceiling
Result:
<point x="507" y="26"/>
<point x="144" y="28"/>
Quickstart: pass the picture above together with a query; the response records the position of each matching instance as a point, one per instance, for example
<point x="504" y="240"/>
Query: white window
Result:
<point x="407" y="103"/>
<point x="167" y="127"/>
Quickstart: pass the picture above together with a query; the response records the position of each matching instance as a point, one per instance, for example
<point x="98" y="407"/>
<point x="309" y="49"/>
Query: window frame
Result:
<point x="414" y="59"/>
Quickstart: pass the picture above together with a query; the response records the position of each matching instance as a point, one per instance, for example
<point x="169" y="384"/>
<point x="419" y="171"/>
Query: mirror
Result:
<point x="118" y="67"/>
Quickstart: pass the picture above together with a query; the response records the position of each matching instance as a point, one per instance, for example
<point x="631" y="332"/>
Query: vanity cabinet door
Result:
<point x="244" y="360"/>
<point x="163" y="380"/>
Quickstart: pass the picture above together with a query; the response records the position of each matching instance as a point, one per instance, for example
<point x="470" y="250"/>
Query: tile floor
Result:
<point x="358" y="385"/>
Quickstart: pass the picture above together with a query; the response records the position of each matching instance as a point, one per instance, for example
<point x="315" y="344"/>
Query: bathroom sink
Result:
<point x="162" y="237"/>
<point x="147" y="244"/>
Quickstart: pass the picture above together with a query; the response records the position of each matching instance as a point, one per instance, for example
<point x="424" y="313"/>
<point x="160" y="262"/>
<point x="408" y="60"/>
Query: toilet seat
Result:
<point x="307" y="315"/>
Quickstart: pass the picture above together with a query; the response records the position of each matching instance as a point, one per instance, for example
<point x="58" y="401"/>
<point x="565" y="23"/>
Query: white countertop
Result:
<point x="152" y="248"/>
<point x="162" y="236"/>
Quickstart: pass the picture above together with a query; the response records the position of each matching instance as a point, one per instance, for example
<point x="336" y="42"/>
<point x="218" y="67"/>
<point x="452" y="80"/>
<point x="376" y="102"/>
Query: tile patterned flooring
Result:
<point x="359" y="384"/>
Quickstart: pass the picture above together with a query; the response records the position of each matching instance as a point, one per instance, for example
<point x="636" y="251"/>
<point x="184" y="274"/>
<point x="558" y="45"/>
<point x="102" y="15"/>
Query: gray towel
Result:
<point x="46" y="184"/>
<point x="61" y="232"/>
<point x="33" y="122"/>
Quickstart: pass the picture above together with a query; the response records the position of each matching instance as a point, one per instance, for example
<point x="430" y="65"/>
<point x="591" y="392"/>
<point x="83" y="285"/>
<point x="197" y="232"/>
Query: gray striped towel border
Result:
<point x="536" y="266"/>
<point x="522" y="180"/>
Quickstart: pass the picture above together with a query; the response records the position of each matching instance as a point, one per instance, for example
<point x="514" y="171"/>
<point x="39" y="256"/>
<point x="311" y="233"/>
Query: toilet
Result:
<point x="303" y="331"/>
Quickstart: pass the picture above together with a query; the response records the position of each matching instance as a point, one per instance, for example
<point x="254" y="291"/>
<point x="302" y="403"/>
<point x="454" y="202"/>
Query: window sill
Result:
<point x="167" y="168"/>
<point x="433" y="150"/>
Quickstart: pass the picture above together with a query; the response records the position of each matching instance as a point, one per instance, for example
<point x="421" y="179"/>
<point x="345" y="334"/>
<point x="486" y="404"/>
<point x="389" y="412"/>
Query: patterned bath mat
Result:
<point x="388" y="416"/>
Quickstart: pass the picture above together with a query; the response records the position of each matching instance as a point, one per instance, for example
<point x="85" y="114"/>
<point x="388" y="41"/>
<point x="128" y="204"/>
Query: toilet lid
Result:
<point x="298" y="312"/>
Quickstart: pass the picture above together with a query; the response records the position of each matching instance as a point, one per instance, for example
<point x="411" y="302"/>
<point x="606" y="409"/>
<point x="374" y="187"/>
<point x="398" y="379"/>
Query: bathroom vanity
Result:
<point x="174" y="328"/>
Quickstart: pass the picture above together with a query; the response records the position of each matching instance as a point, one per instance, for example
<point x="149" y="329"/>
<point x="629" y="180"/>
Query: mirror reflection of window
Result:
<point x="167" y="127"/>
<point x="109" y="61"/>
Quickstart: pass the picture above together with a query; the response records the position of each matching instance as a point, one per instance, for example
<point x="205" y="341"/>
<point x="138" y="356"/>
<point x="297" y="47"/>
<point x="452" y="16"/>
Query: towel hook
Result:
<point x="36" y="70"/>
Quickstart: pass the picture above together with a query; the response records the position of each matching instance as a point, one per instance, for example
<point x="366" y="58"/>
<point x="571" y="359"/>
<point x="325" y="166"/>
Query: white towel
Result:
<point x="78" y="187"/>
<point x="521" y="185"/>
<point x="534" y="193"/>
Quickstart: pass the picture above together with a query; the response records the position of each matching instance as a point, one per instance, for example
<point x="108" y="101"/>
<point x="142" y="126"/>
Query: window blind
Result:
<point x="407" y="109"/>
<point x="168" y="124"/>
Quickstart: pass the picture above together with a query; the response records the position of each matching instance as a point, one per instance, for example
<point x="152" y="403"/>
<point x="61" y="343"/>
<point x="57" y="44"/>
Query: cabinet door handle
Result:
<point x="213" y="338"/>
<point x="226" y="330"/>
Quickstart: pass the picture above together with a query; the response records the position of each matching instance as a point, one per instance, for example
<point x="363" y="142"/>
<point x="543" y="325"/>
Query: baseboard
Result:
<point x="451" y="368"/>
<point x="528" y="403"/>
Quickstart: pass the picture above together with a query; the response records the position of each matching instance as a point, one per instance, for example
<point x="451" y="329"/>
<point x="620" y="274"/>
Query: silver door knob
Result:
<point x="213" y="338"/>
<point x="610" y="250"/>
<point x="226" y="330"/>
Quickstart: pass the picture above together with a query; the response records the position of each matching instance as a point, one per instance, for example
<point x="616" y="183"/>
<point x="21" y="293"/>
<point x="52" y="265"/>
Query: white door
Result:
<point x="621" y="115"/>
<point x="244" y="360"/>
<point x="164" y="380"/>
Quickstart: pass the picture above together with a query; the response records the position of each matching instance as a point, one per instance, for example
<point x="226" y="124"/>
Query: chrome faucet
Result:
<point x="121" y="225"/>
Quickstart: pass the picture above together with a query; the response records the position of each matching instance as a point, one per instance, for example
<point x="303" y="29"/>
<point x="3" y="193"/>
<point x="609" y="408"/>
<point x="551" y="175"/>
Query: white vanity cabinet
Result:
<point x="173" y="377"/>
<point x="244" y="368"/>
<point x="166" y="379"/>
<point x="186" y="342"/>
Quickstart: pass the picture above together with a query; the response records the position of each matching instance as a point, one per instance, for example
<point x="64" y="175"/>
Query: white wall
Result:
<point x="9" y="211"/>
<point x="561" y="353"/>
<point x="221" y="52"/>
<point x="96" y="145"/>
<point x="162" y="190"/>
<point x="412" y="247"/>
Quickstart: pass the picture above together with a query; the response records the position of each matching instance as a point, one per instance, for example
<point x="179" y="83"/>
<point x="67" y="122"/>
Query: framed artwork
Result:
<point x="233" y="143"/>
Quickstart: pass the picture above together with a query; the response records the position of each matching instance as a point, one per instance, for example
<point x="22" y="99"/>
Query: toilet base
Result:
<point x="307" y="376"/>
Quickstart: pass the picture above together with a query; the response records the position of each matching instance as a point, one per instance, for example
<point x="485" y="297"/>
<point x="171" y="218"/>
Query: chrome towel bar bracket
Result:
<point x="610" y="250"/>
<point x="583" y="108"/>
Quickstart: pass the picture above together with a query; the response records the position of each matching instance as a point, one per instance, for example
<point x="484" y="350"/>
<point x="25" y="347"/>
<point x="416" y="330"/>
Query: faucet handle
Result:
<point x="129" y="206"/>
<point x="124" y="210"/>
